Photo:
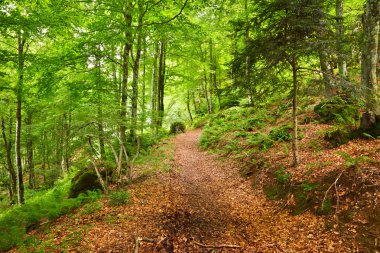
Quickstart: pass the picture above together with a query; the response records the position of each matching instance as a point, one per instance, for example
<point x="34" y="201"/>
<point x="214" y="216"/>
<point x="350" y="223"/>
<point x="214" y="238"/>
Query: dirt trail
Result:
<point x="204" y="201"/>
<point x="213" y="205"/>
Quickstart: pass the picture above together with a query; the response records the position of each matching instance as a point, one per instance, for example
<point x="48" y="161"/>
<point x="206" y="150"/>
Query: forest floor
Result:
<point x="201" y="205"/>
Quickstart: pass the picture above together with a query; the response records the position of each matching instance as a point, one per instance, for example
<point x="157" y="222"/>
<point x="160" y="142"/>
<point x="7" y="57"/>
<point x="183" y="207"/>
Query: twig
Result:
<point x="148" y="240"/>
<point x="336" y="180"/>
<point x="137" y="243"/>
<point x="230" y="246"/>
<point x="141" y="239"/>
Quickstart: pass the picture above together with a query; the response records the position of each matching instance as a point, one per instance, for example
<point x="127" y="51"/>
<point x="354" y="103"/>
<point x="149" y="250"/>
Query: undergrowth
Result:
<point x="17" y="221"/>
<point x="237" y="129"/>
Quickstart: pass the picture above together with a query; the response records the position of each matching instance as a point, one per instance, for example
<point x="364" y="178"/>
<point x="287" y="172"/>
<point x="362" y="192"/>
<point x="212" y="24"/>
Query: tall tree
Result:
<point x="371" y="118"/>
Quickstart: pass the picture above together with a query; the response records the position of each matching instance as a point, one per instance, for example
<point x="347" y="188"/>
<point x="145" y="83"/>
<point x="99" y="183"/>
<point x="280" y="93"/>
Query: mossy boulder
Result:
<point x="338" y="109"/>
<point x="339" y="136"/>
<point x="87" y="180"/>
<point x="177" y="127"/>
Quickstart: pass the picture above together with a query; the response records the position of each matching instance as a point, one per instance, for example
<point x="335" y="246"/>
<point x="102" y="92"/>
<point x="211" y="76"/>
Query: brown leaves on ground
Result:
<point x="204" y="206"/>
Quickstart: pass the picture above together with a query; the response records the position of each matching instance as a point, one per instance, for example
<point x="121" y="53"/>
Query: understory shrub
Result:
<point x="339" y="136"/>
<point x="339" y="110"/>
<point x="177" y="127"/>
<point x="15" y="222"/>
<point x="119" y="198"/>
<point x="284" y="133"/>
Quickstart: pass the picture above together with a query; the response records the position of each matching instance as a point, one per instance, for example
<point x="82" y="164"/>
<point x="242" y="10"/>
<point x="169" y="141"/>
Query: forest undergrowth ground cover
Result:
<point x="201" y="204"/>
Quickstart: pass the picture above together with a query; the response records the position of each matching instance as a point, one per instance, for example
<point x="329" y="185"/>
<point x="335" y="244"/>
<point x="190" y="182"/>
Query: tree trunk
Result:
<point x="188" y="107"/>
<point x="211" y="75"/>
<point x="101" y="134"/>
<point x="153" y="90"/>
<point x="340" y="34"/>
<point x="370" y="121"/>
<point x="136" y="68"/>
<point x="247" y="57"/>
<point x="126" y="50"/>
<point x="294" y="114"/>
<point x="99" y="107"/>
<point x="43" y="153"/>
<point x="10" y="167"/>
<point x="143" y="91"/>
<point x="19" y="91"/>
<point x="29" y="152"/>
<point x="62" y="148"/>
<point x="327" y="73"/>
<point x="161" y="83"/>
<point x="205" y="91"/>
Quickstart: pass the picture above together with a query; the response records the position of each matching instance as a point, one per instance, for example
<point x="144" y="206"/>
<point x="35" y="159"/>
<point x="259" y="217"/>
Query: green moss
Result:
<point x="82" y="182"/>
<point x="339" y="110"/>
<point x="177" y="127"/>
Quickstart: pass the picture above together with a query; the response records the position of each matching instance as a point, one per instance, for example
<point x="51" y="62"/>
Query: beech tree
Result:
<point x="371" y="118"/>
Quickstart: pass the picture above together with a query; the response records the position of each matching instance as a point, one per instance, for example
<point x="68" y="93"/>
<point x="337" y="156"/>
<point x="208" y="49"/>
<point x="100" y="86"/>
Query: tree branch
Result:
<point x="169" y="20"/>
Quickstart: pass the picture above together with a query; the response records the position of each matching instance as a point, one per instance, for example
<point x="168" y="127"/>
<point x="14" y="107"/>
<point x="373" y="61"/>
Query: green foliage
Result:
<point x="259" y="140"/>
<point x="92" y="207"/>
<point x="326" y="208"/>
<point x="200" y="122"/>
<point x="283" y="177"/>
<point x="283" y="133"/>
<point x="338" y="110"/>
<point x="119" y="198"/>
<point x="280" y="187"/>
<point x="228" y="103"/>
<point x="352" y="162"/>
<point x="15" y="222"/>
<point x="305" y="196"/>
<point x="177" y="127"/>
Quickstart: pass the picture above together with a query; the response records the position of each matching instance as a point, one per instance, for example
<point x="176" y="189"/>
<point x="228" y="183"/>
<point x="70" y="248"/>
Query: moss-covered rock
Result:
<point x="337" y="109"/>
<point x="339" y="136"/>
<point x="84" y="181"/>
<point x="177" y="127"/>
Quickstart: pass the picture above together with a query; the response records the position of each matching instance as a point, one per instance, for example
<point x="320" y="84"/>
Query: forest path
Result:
<point x="202" y="201"/>
<point x="212" y="205"/>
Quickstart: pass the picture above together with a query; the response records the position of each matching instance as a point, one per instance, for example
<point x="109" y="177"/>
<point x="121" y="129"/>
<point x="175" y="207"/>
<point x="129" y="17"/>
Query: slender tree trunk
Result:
<point x="205" y="91"/>
<point x="153" y="90"/>
<point x="211" y="75"/>
<point x="10" y="167"/>
<point x="99" y="107"/>
<point x="126" y="51"/>
<point x="101" y="133"/>
<point x="188" y="107"/>
<point x="216" y="88"/>
<point x="247" y="57"/>
<point x="294" y="114"/>
<point x="340" y="34"/>
<point x="19" y="91"/>
<point x="161" y="83"/>
<point x="143" y="91"/>
<point x="62" y="149"/>
<point x="196" y="108"/>
<point x="43" y="153"/>
<point x="29" y="151"/>
<point x="136" y="68"/>
<point x="370" y="121"/>
<point x="327" y="73"/>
